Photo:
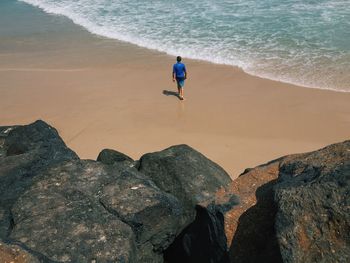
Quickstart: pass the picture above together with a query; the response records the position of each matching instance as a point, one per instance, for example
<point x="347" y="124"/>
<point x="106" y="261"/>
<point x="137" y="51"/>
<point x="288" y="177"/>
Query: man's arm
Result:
<point x="185" y="71"/>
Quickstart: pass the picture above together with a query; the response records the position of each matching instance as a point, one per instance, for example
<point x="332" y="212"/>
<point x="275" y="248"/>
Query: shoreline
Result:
<point x="85" y="26"/>
<point x="117" y="41"/>
<point x="102" y="93"/>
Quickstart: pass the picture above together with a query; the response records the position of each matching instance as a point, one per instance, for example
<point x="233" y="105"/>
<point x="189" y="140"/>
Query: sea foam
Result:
<point x="304" y="42"/>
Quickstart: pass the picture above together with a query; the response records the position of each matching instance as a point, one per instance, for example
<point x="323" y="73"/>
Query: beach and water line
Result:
<point x="103" y="93"/>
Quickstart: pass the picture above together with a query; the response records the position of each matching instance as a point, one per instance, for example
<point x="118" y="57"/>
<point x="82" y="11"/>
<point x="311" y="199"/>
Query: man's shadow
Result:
<point x="171" y="93"/>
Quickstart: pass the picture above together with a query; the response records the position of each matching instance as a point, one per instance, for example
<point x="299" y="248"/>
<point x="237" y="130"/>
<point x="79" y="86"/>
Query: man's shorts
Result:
<point x="180" y="82"/>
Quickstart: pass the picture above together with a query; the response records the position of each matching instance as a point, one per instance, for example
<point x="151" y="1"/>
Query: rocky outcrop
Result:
<point x="170" y="206"/>
<point x="24" y="152"/>
<point x="294" y="209"/>
<point x="194" y="180"/>
<point x="65" y="199"/>
<point x="186" y="174"/>
<point x="154" y="216"/>
<point x="91" y="212"/>
<point x="63" y="209"/>
<point x="312" y="196"/>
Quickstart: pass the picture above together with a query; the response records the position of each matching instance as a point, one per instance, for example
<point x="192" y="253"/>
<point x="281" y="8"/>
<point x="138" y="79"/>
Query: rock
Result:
<point x="184" y="173"/>
<point x="24" y="152"/>
<point x="203" y="240"/>
<point x="77" y="228"/>
<point x="153" y="215"/>
<point x="14" y="253"/>
<point x="249" y="226"/>
<point x="174" y="205"/>
<point x="293" y="209"/>
<point x="93" y="212"/>
<point x="313" y="201"/>
<point x="108" y="156"/>
<point x="194" y="180"/>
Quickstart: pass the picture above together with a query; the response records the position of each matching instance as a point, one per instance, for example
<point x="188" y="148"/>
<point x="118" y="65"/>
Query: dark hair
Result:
<point x="178" y="59"/>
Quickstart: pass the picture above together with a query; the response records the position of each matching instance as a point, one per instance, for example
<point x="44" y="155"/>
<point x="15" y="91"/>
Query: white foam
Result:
<point x="264" y="44"/>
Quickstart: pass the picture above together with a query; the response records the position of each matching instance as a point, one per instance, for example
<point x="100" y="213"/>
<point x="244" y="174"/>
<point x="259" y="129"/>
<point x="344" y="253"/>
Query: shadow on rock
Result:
<point x="255" y="239"/>
<point x="202" y="241"/>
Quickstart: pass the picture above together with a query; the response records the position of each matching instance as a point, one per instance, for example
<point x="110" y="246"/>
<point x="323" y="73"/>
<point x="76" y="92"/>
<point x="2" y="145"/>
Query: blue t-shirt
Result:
<point x="179" y="69"/>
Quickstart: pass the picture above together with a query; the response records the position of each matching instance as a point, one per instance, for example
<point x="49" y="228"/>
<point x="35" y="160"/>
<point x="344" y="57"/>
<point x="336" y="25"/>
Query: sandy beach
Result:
<point x="100" y="93"/>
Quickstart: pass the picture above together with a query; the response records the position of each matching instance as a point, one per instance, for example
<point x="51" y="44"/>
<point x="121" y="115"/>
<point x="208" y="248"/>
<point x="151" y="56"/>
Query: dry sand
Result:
<point x="101" y="93"/>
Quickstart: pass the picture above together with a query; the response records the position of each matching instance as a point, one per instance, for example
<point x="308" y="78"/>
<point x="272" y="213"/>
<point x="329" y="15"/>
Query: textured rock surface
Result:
<point x="64" y="199"/>
<point x="64" y="209"/>
<point x="294" y="209"/>
<point x="24" y="152"/>
<point x="194" y="180"/>
<point x="202" y="241"/>
<point x="177" y="203"/>
<point x="184" y="173"/>
<point x="313" y="200"/>
<point x="153" y="215"/>
<point x="15" y="254"/>
<point x="93" y="212"/>
<point x="250" y="225"/>
<point x="108" y="156"/>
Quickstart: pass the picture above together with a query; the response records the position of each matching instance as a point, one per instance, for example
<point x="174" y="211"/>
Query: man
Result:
<point x="180" y="74"/>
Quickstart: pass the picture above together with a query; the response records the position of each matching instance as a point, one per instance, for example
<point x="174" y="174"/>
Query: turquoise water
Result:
<point x="305" y="42"/>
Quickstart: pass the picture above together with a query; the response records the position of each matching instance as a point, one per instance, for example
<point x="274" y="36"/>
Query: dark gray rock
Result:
<point x="92" y="211"/>
<point x="57" y="208"/>
<point x="194" y="180"/>
<point x="24" y="152"/>
<point x="108" y="156"/>
<point x="293" y="209"/>
<point x="60" y="216"/>
<point x="62" y="209"/>
<point x="153" y="215"/>
<point x="204" y="240"/>
<point x="185" y="173"/>
<point x="313" y="201"/>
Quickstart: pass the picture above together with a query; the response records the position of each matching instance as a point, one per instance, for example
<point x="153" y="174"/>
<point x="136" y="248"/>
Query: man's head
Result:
<point x="178" y="59"/>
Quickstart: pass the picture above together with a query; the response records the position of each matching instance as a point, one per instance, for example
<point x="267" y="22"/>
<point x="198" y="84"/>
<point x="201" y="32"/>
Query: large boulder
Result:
<point x="24" y="152"/>
<point x="60" y="216"/>
<point x="175" y="205"/>
<point x="153" y="215"/>
<point x="293" y="209"/>
<point x="313" y="206"/>
<point x="194" y="180"/>
<point x="67" y="210"/>
<point x="91" y="211"/>
<point x="185" y="173"/>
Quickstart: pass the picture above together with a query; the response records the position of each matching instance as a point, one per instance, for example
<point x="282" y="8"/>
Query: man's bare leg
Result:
<point x="181" y="93"/>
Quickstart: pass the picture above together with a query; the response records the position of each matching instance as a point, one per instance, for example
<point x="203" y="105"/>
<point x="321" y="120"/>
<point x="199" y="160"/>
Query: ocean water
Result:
<point x="304" y="42"/>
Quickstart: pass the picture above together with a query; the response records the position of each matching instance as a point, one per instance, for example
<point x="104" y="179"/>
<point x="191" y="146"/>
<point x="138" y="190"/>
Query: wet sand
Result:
<point x="101" y="93"/>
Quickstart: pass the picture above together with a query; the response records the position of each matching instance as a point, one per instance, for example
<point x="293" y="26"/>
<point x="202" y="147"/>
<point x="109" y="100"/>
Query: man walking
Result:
<point x="179" y="74"/>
